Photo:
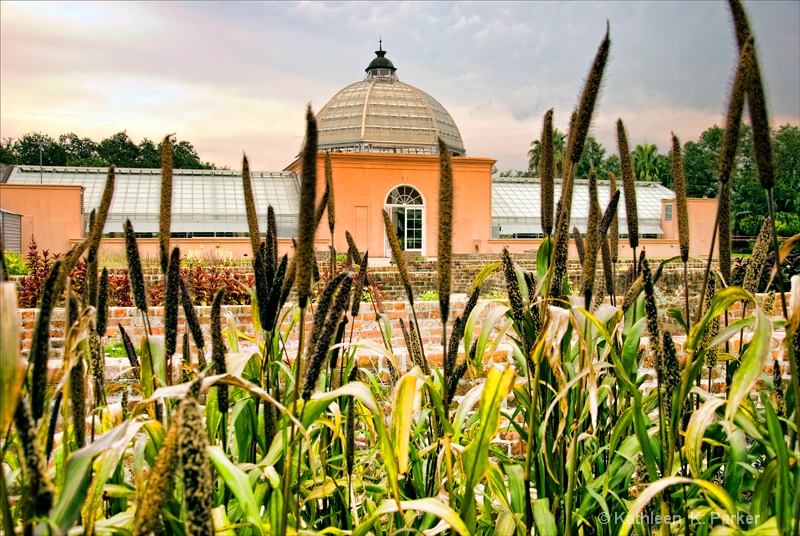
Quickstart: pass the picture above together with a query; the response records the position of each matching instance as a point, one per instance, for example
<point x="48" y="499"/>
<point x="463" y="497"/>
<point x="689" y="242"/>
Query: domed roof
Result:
<point x="381" y="114"/>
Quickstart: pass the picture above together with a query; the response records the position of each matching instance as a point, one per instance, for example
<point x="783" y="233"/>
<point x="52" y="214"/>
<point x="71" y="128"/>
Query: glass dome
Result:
<point x="381" y="114"/>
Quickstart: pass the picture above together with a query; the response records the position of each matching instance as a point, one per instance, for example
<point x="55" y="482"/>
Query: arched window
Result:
<point x="406" y="207"/>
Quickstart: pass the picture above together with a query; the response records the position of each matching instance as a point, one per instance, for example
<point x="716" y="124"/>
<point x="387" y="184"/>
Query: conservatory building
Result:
<point x="382" y="136"/>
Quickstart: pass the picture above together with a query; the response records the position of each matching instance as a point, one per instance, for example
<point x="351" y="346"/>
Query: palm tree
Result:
<point x="559" y="153"/>
<point x="644" y="163"/>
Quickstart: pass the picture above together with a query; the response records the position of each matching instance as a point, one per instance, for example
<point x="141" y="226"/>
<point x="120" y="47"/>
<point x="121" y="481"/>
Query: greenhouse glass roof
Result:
<point x="516" y="205"/>
<point x="203" y="201"/>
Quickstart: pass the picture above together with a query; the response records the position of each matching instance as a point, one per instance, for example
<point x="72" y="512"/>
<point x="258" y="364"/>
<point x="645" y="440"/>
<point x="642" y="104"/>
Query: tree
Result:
<point x="516" y="173"/>
<point x="149" y="155"/>
<point x="700" y="163"/>
<point x="644" y="163"/>
<point x="31" y="146"/>
<point x="81" y="151"/>
<point x="184" y="156"/>
<point x="7" y="154"/>
<point x="559" y="153"/>
<point x="611" y="165"/>
<point x="119" y="150"/>
<point x="593" y="155"/>
<point x="786" y="151"/>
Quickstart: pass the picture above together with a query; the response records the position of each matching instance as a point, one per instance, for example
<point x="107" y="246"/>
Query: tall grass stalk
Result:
<point x="679" y="185"/>
<point x="629" y="188"/>
<point x="444" y="255"/>
<point x="592" y="243"/>
<point x="546" y="173"/>
<point x="165" y="212"/>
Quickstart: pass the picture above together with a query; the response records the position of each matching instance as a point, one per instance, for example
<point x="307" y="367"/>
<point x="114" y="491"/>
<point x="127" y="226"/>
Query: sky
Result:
<point x="236" y="76"/>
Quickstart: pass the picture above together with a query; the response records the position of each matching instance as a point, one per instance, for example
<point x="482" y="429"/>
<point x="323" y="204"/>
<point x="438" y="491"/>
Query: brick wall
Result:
<point x="365" y="329"/>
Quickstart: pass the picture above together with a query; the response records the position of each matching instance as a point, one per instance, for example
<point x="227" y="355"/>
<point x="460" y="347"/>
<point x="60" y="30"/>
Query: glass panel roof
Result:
<point x="518" y="201"/>
<point x="380" y="113"/>
<point x="197" y="197"/>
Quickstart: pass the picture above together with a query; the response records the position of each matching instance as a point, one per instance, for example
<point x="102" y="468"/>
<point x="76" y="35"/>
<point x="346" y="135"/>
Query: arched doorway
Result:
<point x="406" y="208"/>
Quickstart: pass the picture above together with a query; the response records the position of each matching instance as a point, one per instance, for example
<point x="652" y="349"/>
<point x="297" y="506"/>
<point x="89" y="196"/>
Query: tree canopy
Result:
<point x="118" y="149"/>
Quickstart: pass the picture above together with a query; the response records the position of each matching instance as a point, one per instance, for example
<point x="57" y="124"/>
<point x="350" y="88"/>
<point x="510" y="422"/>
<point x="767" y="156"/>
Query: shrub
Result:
<point x="14" y="263"/>
<point x="429" y="295"/>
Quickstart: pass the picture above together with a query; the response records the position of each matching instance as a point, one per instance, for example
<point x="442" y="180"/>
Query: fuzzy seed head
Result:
<point x="329" y="328"/>
<point x="102" y="304"/>
<point x="307" y="224"/>
<point x="133" y="359"/>
<point x="39" y="491"/>
<point x="147" y="519"/>
<point x="98" y="362"/>
<point x="725" y="236"/>
<point x="608" y="271"/>
<point x="560" y="253"/>
<point x="135" y="268"/>
<point x="758" y="259"/>
<point x="712" y="328"/>
<point x="165" y="215"/>
<point x="515" y="300"/>
<point x="172" y="302"/>
<point x="591" y="90"/>
<point x="77" y="401"/>
<point x="250" y="206"/>
<point x="191" y="317"/>
<point x="352" y="248"/>
<point x="628" y="184"/>
<point x="323" y="308"/>
<point x="218" y="350"/>
<point x="361" y="282"/>
<point x="445" y="247"/>
<point x="198" y="485"/>
<point x="592" y="241"/>
<point x="672" y="369"/>
<point x="679" y="185"/>
<point x="40" y="345"/>
<point x="329" y="188"/>
<point x="576" y="236"/>
<point x="769" y="303"/>
<point x="734" y="119"/>
<point x="96" y="227"/>
<point x="633" y="293"/>
<point x="547" y="173"/>
<point x="651" y="313"/>
<point x="614" y="227"/>
<point x="755" y="98"/>
<point x="397" y="255"/>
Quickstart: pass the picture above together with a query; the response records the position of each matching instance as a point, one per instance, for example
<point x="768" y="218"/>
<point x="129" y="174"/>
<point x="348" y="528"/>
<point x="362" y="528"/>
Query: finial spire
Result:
<point x="380" y="43"/>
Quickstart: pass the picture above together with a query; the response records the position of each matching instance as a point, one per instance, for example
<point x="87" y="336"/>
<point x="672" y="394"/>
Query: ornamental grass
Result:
<point x="600" y="413"/>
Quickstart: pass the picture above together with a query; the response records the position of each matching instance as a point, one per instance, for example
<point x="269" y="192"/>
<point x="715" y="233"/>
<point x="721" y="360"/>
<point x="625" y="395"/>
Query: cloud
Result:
<point x="237" y="75"/>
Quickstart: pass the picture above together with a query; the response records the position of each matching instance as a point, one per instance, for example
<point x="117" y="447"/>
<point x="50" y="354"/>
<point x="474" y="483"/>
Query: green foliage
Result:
<point x="118" y="149"/>
<point x="14" y="263"/>
<point x="429" y="295"/>
<point x="117" y="349"/>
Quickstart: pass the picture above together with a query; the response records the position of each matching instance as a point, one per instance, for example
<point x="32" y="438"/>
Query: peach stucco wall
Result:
<point x="702" y="213"/>
<point x="362" y="181"/>
<point x="52" y="214"/>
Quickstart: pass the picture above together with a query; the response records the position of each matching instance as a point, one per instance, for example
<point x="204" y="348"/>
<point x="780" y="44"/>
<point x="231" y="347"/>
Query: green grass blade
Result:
<point x="543" y="520"/>
<point x="695" y="432"/>
<point x="428" y="505"/>
<point x="402" y="411"/>
<point x="239" y="483"/>
<point x="717" y="492"/>
<point x="753" y="362"/>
